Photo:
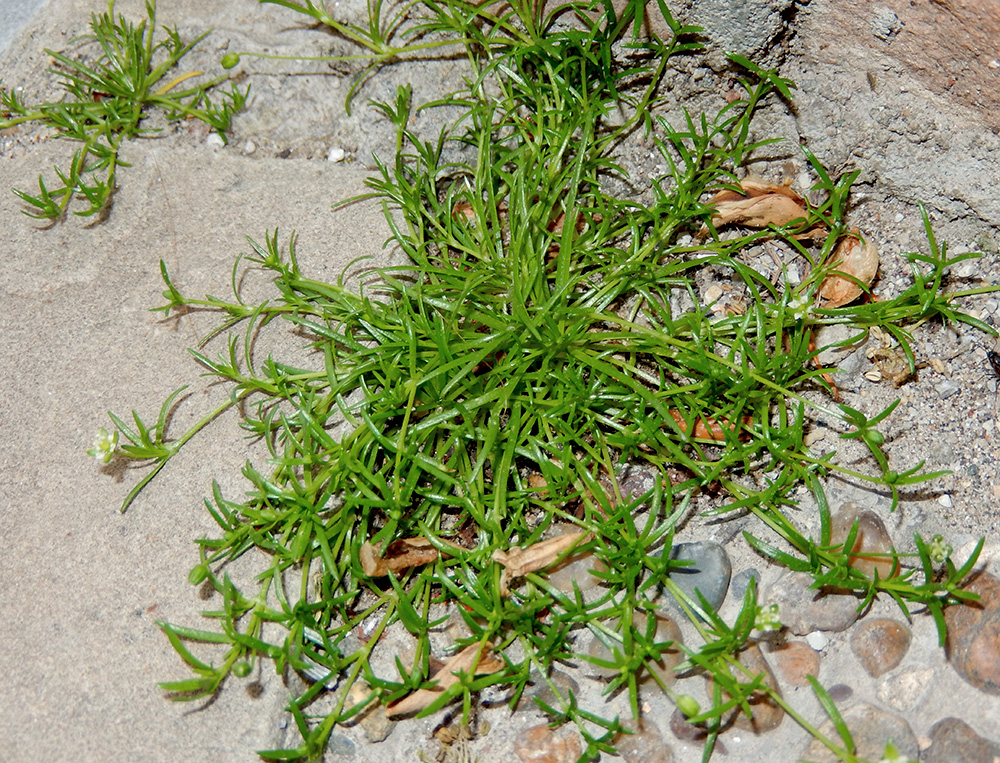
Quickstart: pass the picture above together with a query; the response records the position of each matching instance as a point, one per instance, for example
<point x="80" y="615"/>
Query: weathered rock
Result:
<point x="870" y="544"/>
<point x="954" y="741"/>
<point x="870" y="728"/>
<point x="880" y="644"/>
<point x="708" y="572"/>
<point x="644" y="745"/>
<point x="973" y="645"/>
<point x="795" y="660"/>
<point x="765" y="713"/>
<point x="803" y="610"/>
<point x="541" y="744"/>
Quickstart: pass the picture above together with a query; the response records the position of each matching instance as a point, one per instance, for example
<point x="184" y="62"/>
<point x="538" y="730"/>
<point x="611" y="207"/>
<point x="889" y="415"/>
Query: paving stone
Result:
<point x="954" y="741"/>
<point x="795" y="660"/>
<point x="973" y="645"/>
<point x="880" y="644"/>
<point x="870" y="728"/>
<point x="541" y="744"/>
<point x="803" y="610"/>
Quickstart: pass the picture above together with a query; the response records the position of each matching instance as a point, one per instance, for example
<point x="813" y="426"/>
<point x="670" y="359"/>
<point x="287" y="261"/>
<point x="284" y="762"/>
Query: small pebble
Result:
<point x="840" y="692"/>
<point x="765" y="713"/>
<point x="803" y="609"/>
<point x="870" y="545"/>
<point x="906" y="690"/>
<point x="945" y="500"/>
<point x="946" y="388"/>
<point x="899" y="217"/>
<point x="973" y="645"/>
<point x="578" y="569"/>
<point x="870" y="729"/>
<point x="214" y="141"/>
<point x="709" y="572"/>
<point x="541" y="691"/>
<point x="249" y="147"/>
<point x="795" y="660"/>
<point x="643" y="745"/>
<point x="336" y="155"/>
<point x="540" y="744"/>
<point x="954" y="740"/>
<point x="817" y="640"/>
<point x="880" y="645"/>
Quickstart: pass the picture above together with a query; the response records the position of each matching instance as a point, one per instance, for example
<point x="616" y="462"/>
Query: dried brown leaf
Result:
<point x="519" y="562"/>
<point x="472" y="658"/>
<point x="708" y="428"/>
<point x="855" y="257"/>
<point x="760" y="204"/>
<point x="400" y="555"/>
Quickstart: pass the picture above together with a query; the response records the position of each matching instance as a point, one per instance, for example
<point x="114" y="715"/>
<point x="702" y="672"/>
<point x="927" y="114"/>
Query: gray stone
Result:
<point x="946" y="388"/>
<point x="803" y="610"/>
<point x="954" y="741"/>
<point x="870" y="728"/>
<point x="709" y="572"/>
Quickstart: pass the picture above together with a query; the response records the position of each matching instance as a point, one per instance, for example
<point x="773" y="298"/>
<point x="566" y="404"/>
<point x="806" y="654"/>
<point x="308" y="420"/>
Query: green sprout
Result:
<point x="107" y="102"/>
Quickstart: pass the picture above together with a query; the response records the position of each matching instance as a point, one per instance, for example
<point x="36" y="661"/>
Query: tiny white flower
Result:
<point x="767" y="619"/>
<point x="799" y="307"/>
<point x="104" y="446"/>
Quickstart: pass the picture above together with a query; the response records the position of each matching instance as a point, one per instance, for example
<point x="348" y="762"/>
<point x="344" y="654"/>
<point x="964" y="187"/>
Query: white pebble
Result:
<point x="900" y="217"/>
<point x="335" y="155"/>
<point x="249" y="147"/>
<point x="817" y="641"/>
<point x="945" y="500"/>
<point x="214" y="141"/>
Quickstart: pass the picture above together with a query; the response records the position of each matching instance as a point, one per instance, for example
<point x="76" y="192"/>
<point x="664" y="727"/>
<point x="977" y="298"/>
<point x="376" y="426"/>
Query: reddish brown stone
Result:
<point x="880" y="644"/>
<point x="973" y="645"/>
<point x="541" y="744"/>
<point x="795" y="660"/>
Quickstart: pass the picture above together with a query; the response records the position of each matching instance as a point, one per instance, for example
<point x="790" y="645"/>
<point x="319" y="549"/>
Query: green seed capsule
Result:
<point x="230" y="60"/>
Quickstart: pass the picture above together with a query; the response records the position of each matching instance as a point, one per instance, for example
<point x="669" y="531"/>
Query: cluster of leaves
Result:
<point x="501" y="383"/>
<point x="107" y="101"/>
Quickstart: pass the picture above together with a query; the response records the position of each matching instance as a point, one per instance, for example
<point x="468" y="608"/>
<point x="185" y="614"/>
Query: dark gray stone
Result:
<point x="954" y="741"/>
<point x="709" y="572"/>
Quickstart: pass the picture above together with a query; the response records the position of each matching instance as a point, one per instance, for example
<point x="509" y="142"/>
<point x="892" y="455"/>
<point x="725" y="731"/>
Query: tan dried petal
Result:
<point x="855" y="257"/>
<point x="519" y="562"/>
<point x="708" y="428"/>
<point x="758" y="205"/>
<point x="463" y="662"/>
<point x="758" y="211"/>
<point x="400" y="555"/>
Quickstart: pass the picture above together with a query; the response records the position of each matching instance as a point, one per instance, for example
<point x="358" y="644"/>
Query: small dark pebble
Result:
<point x="840" y="692"/>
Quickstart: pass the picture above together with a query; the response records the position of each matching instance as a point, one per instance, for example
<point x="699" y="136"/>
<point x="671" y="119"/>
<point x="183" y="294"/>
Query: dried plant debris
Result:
<point x="474" y="660"/>
<point x="519" y="562"/>
<point x="855" y="263"/>
<point x="758" y="204"/>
